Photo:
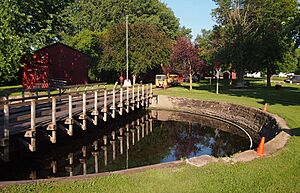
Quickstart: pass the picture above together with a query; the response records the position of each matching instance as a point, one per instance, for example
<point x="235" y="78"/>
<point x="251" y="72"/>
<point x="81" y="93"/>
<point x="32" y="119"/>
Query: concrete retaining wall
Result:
<point x="256" y="122"/>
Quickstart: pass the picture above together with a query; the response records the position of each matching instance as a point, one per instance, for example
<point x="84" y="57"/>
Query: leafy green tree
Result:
<point x="97" y="15"/>
<point x="184" y="32"/>
<point x="272" y="42"/>
<point x="25" y="26"/>
<point x="254" y="33"/>
<point x="148" y="49"/>
<point x="12" y="44"/>
<point x="238" y="35"/>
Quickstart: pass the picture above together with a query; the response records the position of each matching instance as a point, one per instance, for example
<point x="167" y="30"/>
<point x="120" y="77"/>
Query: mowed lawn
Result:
<point x="278" y="173"/>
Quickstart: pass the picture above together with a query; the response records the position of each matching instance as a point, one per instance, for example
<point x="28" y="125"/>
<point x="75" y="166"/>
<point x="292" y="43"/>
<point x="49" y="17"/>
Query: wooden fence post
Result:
<point x="132" y="99"/>
<point x="127" y="100"/>
<point x="113" y="142"/>
<point x="70" y="167"/>
<point x="143" y="95"/>
<point x="147" y="96"/>
<point x="5" y="138"/>
<point x="120" y="105"/>
<point x="52" y="127"/>
<point x="151" y="93"/>
<point x="113" y="107"/>
<point x="138" y="97"/>
<point x="104" y="110"/>
<point x="31" y="133"/>
<point x="95" y="112"/>
<point x="104" y="148"/>
<point x="69" y="121"/>
<point x="83" y="115"/>
<point x="120" y="138"/>
<point x="127" y="134"/>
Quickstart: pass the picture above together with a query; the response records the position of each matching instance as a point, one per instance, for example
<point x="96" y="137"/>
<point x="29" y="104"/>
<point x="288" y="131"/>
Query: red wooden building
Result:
<point x="56" y="62"/>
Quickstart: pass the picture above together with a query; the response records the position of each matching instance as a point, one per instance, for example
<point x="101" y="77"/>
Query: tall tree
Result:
<point x="184" y="58"/>
<point x="238" y="34"/>
<point x="272" y="42"/>
<point x="25" y="26"/>
<point x="148" y="48"/>
<point x="97" y="15"/>
<point x="254" y="36"/>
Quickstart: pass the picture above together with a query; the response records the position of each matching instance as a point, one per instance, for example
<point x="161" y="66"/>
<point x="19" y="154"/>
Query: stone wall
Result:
<point x="256" y="122"/>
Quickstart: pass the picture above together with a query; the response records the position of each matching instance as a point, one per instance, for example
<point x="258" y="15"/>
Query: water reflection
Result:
<point x="155" y="137"/>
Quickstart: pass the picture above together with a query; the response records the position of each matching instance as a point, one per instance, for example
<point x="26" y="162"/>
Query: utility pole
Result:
<point x="127" y="81"/>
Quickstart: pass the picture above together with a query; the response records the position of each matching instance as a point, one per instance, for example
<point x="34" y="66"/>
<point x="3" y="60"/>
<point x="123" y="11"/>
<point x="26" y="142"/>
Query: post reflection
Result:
<point x="110" y="149"/>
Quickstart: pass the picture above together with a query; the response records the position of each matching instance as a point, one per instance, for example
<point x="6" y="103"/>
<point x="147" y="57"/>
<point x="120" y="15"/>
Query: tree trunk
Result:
<point x="191" y="78"/>
<point x="269" y="74"/>
<point x="240" y="75"/>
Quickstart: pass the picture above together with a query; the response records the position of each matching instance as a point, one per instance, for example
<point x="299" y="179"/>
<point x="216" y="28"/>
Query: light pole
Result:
<point x="127" y="81"/>
<point x="218" y="70"/>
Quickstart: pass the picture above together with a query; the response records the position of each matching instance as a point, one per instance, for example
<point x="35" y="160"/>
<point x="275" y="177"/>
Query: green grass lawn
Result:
<point x="278" y="173"/>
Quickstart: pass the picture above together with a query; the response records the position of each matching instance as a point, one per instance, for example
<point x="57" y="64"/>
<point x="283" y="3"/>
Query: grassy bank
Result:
<point x="278" y="173"/>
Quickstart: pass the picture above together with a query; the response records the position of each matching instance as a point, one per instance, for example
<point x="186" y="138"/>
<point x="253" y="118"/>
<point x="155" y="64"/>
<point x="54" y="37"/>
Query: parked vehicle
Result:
<point x="161" y="80"/>
<point x="173" y="79"/>
<point x="294" y="79"/>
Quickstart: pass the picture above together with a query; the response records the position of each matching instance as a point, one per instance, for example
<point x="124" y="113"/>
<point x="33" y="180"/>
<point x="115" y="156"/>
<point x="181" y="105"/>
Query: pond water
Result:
<point x="140" y="139"/>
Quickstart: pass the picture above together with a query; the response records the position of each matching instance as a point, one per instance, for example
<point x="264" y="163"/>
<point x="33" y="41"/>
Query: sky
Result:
<point x="194" y="14"/>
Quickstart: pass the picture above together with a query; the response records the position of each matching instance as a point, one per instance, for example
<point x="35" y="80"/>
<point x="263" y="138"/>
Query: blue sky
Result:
<point x="194" y="14"/>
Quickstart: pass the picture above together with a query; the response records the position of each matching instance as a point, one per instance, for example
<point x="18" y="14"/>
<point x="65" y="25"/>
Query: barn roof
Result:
<point x="59" y="43"/>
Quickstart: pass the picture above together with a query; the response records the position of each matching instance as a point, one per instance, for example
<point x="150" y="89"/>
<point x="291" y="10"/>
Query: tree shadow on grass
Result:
<point x="287" y="95"/>
<point x="292" y="132"/>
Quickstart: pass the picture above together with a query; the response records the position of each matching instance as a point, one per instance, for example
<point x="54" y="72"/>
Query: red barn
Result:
<point x="55" y="62"/>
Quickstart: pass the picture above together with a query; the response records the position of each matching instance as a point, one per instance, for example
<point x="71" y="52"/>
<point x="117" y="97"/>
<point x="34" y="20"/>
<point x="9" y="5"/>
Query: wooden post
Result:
<point x="143" y="129"/>
<point x="52" y="127"/>
<point x="70" y="167"/>
<point x="104" y="148"/>
<point x="143" y="95"/>
<point x="5" y="139"/>
<point x="127" y="134"/>
<point x="147" y="96"/>
<point x="138" y="97"/>
<point x="120" y="138"/>
<point x="147" y="130"/>
<point x="133" y="136"/>
<point x="104" y="110"/>
<point x="83" y="160"/>
<point x="121" y="101"/>
<point x="69" y="121"/>
<point x="151" y="124"/>
<point x="95" y="112"/>
<point x="32" y="175"/>
<point x="113" y="108"/>
<point x="127" y="100"/>
<point x="54" y="167"/>
<point x="96" y="155"/>
<point x="83" y="115"/>
<point x="6" y="119"/>
<point x="132" y="99"/>
<point x="32" y="145"/>
<point x="151" y="93"/>
<point x="113" y="142"/>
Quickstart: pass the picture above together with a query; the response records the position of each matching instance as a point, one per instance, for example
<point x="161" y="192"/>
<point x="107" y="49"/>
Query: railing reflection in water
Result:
<point x="103" y="152"/>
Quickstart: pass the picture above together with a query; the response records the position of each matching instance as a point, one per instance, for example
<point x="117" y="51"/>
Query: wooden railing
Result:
<point x="61" y="111"/>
